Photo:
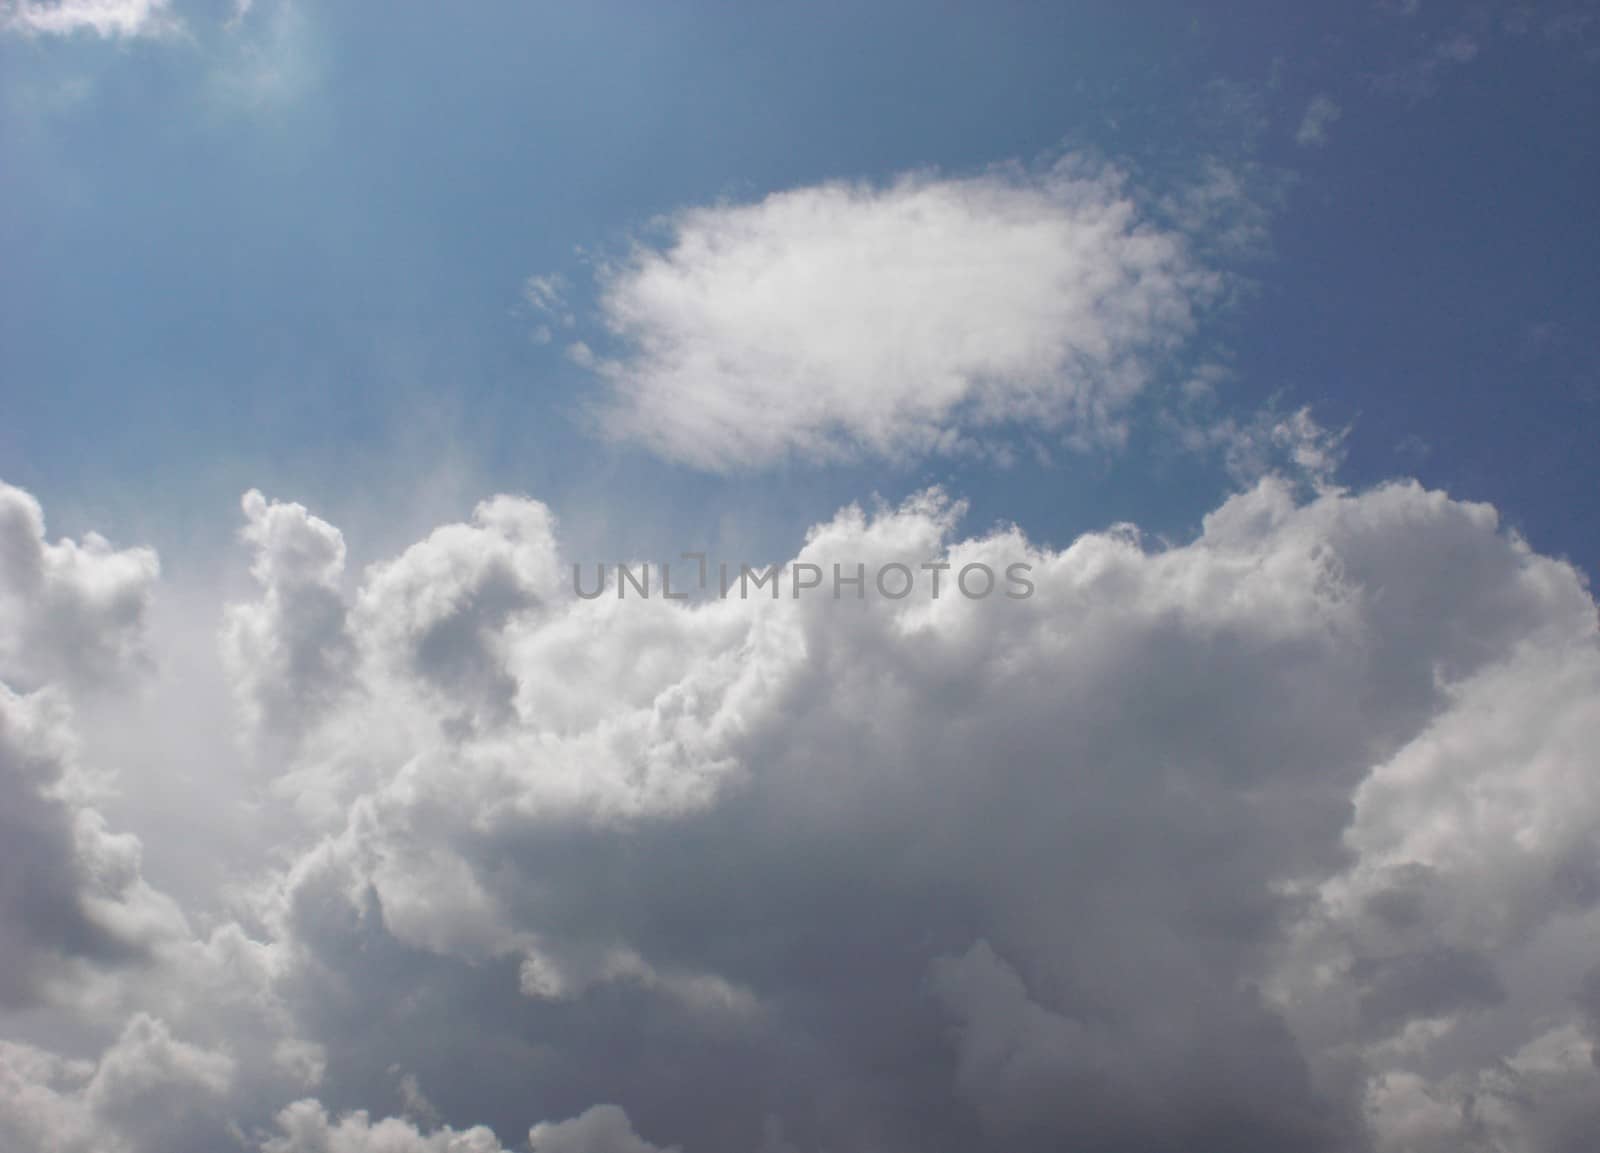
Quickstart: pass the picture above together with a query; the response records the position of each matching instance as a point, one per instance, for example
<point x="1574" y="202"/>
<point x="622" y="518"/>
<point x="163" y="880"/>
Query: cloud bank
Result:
<point x="1281" y="838"/>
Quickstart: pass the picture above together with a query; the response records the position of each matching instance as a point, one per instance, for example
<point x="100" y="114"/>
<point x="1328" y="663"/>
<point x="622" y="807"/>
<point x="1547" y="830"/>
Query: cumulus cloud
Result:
<point x="71" y="892"/>
<point x="1228" y="708"/>
<point x="437" y="614"/>
<point x="288" y="652"/>
<point x="841" y="320"/>
<point x="149" y="1093"/>
<point x="602" y="1129"/>
<point x="306" y="1128"/>
<point x="71" y="611"/>
<point x="1281" y="838"/>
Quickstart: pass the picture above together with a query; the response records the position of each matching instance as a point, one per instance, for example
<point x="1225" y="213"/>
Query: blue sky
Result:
<point x="260" y="254"/>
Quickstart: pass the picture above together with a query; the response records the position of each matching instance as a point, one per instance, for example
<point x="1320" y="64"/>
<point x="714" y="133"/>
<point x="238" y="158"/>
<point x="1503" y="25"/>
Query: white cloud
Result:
<point x="602" y="1129"/>
<point x="306" y="1128"/>
<point x="70" y="611"/>
<point x="105" y="18"/>
<point x="1309" y="792"/>
<point x="1289" y="652"/>
<point x="289" y="653"/>
<point x="1293" y="444"/>
<point x="437" y="613"/>
<point x="148" y="1093"/>
<point x="839" y="320"/>
<point x="259" y="57"/>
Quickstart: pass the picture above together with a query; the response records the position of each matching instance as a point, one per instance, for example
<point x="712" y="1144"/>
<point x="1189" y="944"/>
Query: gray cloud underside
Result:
<point x="1282" y="839"/>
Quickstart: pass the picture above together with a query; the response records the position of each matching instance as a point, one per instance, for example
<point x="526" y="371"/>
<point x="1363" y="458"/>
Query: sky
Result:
<point x="333" y="817"/>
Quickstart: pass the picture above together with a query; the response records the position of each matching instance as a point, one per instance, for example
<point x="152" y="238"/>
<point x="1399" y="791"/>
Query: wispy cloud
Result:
<point x="1319" y="115"/>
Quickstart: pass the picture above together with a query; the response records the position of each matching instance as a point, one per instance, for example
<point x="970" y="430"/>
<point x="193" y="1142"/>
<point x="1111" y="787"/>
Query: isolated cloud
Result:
<point x="1320" y="114"/>
<point x="1270" y="442"/>
<point x="846" y="319"/>
<point x="1281" y="838"/>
